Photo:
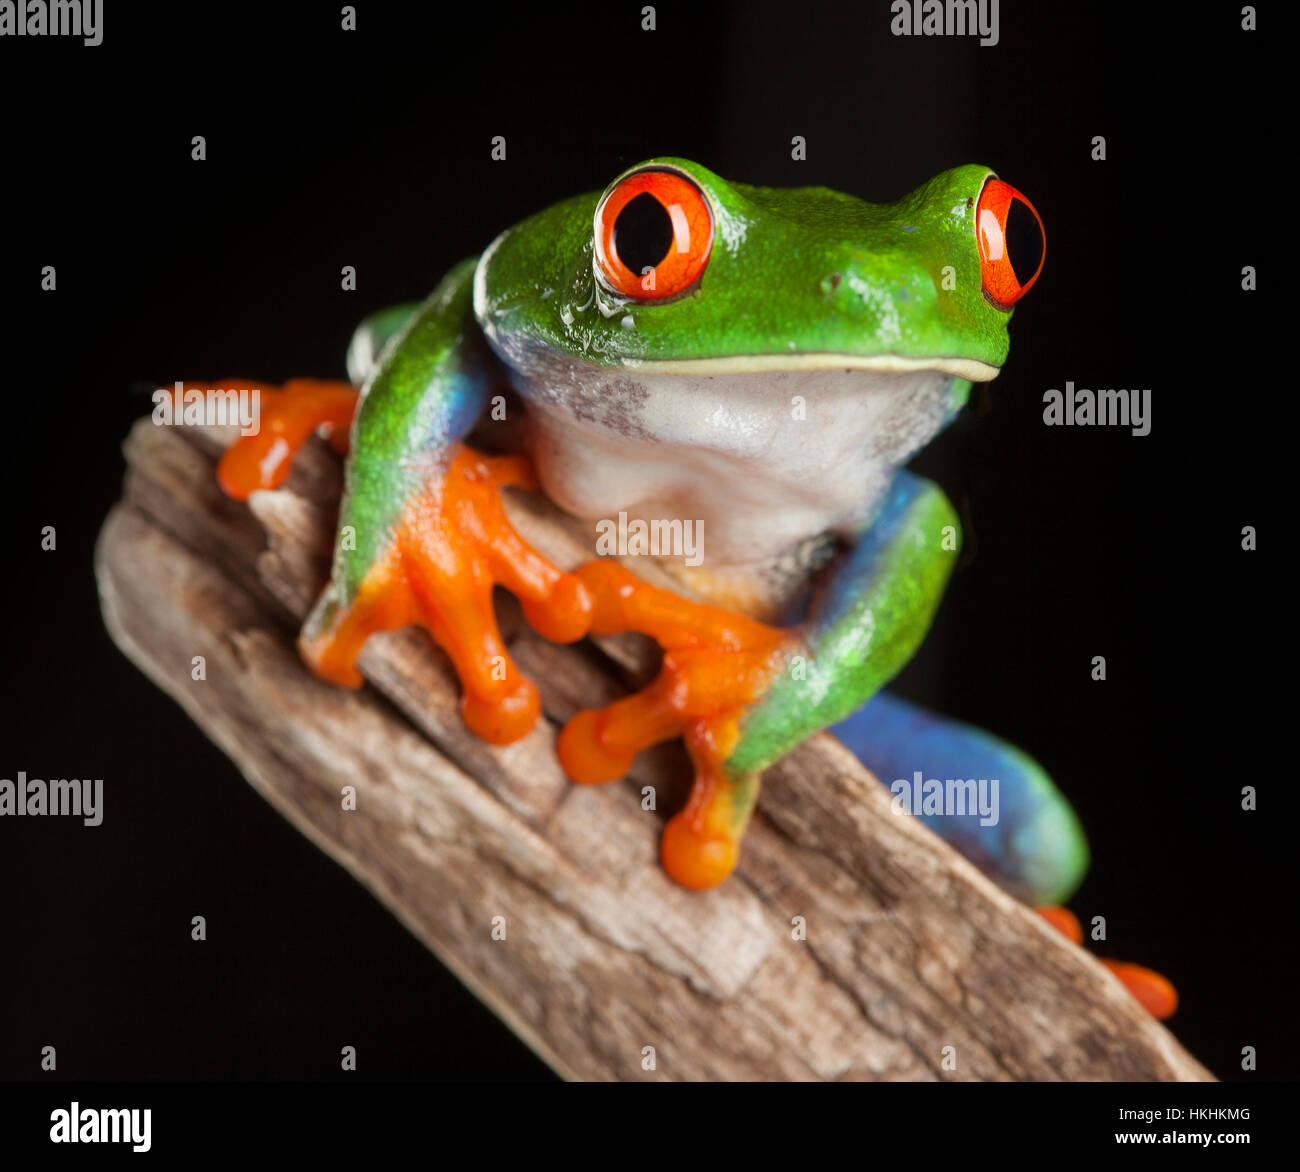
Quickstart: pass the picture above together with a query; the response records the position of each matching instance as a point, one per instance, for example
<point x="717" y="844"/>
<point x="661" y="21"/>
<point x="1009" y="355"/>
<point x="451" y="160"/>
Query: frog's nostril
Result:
<point x="831" y="282"/>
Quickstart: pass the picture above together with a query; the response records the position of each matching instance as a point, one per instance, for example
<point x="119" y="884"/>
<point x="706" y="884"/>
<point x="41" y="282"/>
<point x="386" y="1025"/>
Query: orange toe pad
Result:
<point x="1153" y="992"/>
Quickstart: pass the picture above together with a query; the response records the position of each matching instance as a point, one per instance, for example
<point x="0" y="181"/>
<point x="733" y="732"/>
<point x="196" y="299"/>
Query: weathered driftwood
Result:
<point x="905" y="949"/>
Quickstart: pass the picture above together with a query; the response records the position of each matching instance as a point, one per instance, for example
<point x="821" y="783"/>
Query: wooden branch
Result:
<point x="908" y="948"/>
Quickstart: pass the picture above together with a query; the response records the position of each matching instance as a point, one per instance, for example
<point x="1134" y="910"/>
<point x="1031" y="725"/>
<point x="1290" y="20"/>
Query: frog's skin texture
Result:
<point x="769" y="371"/>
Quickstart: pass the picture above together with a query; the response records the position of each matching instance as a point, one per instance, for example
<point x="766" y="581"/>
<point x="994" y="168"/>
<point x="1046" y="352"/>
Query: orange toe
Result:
<point x="1064" y="921"/>
<point x="695" y="858"/>
<point x="563" y="615"/>
<point x="504" y="717"/>
<point x="585" y="755"/>
<point x="1152" y="991"/>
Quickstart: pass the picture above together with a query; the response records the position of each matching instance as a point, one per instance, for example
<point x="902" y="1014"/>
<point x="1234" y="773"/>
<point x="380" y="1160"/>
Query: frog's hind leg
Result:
<point x="372" y="337"/>
<point x="1014" y="824"/>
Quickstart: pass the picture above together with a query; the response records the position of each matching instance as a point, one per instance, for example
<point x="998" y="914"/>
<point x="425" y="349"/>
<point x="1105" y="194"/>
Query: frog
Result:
<point x="762" y="361"/>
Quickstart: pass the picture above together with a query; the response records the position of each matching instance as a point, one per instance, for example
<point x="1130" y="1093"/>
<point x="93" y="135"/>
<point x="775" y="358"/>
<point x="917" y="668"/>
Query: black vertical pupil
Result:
<point x="643" y="233"/>
<point x="1024" y="241"/>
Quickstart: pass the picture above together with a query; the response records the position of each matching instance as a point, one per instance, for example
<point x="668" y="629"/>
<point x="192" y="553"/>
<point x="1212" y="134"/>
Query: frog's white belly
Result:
<point x="766" y="461"/>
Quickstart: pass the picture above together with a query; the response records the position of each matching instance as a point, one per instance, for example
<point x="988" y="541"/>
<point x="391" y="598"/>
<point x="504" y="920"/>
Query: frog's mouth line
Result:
<point x="967" y="368"/>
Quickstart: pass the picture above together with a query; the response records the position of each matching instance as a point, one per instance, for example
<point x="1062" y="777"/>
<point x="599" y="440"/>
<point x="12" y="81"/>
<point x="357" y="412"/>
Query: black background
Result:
<point x="373" y="149"/>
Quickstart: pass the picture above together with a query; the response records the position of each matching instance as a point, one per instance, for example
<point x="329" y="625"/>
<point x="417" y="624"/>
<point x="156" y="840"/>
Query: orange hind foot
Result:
<point x="1152" y="991"/>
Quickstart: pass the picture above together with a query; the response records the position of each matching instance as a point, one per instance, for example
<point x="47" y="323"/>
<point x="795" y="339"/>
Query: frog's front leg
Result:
<point x="742" y="693"/>
<point x="446" y="545"/>
<point x="423" y="537"/>
<point x="715" y="665"/>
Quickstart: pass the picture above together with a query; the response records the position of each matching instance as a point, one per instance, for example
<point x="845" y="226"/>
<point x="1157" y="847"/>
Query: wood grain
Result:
<point x="905" y="950"/>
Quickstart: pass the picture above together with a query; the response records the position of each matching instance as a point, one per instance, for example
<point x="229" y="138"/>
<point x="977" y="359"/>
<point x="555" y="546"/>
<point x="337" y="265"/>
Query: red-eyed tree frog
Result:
<point x="764" y="362"/>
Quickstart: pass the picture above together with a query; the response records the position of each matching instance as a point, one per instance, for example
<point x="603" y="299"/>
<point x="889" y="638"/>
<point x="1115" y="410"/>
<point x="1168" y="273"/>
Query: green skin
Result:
<point x="804" y="275"/>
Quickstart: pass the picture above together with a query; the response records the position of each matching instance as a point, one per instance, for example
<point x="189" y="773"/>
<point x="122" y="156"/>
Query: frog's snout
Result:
<point x="876" y="294"/>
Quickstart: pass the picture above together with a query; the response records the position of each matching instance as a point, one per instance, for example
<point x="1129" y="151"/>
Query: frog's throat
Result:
<point x="967" y="368"/>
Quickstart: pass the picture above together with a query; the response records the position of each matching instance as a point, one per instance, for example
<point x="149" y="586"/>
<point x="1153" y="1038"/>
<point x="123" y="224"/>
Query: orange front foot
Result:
<point x="1153" y="992"/>
<point x="287" y="417"/>
<point x="451" y="545"/>
<point x="715" y="664"/>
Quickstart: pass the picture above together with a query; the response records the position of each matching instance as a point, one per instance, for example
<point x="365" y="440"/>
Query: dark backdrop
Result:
<point x="372" y="149"/>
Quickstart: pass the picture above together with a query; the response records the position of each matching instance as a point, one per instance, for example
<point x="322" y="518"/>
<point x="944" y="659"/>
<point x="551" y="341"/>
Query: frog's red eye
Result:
<point x="1011" y="241"/>
<point x="654" y="232"/>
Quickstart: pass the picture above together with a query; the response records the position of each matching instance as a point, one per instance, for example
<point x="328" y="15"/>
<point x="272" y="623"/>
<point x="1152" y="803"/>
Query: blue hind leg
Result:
<point x="1032" y="846"/>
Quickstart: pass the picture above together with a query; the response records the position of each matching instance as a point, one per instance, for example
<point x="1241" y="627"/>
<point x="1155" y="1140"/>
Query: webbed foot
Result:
<point x="451" y="544"/>
<point x="715" y="664"/>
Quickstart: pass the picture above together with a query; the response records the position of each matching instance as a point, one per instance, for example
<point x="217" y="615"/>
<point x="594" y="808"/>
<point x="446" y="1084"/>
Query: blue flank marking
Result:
<point x="459" y="410"/>
<point x="861" y="563"/>
<point x="1035" y="851"/>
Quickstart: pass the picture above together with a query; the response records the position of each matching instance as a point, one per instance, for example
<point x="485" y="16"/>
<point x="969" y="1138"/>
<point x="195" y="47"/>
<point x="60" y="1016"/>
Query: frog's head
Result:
<point x="673" y="270"/>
